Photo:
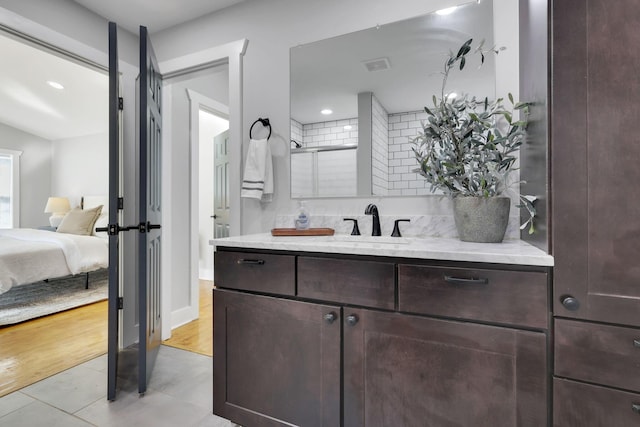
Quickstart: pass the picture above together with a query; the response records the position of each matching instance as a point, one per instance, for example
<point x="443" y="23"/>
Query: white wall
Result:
<point x="80" y="167"/>
<point x="272" y="28"/>
<point x="35" y="173"/>
<point x="214" y="84"/>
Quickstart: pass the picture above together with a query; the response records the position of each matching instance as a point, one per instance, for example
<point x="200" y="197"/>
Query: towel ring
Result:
<point x="264" y="122"/>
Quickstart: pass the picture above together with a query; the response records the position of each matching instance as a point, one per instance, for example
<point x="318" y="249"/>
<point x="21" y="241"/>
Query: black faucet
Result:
<point x="373" y="210"/>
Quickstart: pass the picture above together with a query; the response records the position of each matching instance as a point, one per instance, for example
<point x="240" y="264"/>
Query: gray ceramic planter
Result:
<point x="482" y="220"/>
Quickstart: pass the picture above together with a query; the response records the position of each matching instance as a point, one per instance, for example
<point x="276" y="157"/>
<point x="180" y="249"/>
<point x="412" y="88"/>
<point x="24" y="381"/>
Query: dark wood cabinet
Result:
<point x="341" y="351"/>
<point x="403" y="370"/>
<point x="594" y="163"/>
<point x="587" y="405"/>
<point x="277" y="361"/>
<point x="366" y="283"/>
<point x="595" y="149"/>
<point x="596" y="353"/>
<point x="507" y="297"/>
<point x="268" y="273"/>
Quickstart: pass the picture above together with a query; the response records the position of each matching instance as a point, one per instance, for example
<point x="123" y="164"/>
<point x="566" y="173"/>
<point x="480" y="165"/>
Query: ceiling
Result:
<point x="156" y="15"/>
<point x="28" y="103"/>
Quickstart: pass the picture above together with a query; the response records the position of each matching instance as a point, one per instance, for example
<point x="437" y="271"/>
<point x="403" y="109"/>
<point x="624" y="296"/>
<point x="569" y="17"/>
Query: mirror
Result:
<point x="376" y="83"/>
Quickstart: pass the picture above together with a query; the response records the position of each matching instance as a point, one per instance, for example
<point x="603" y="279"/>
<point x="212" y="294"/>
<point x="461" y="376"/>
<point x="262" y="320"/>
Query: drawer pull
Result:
<point x="636" y="408"/>
<point x="251" y="261"/>
<point x="636" y="343"/>
<point x="463" y="281"/>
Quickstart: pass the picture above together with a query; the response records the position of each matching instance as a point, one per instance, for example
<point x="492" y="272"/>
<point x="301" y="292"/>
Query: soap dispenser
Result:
<point x="302" y="217"/>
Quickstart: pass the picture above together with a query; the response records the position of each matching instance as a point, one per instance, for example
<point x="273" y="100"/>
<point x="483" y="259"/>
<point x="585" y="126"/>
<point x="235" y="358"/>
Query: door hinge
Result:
<point x="120" y="103"/>
<point x="120" y="203"/>
<point x="120" y="303"/>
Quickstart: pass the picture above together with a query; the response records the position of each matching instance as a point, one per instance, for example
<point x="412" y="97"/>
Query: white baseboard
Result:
<point x="181" y="317"/>
<point x="205" y="274"/>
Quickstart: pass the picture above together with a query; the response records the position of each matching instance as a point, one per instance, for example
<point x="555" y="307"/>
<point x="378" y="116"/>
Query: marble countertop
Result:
<point x="508" y="252"/>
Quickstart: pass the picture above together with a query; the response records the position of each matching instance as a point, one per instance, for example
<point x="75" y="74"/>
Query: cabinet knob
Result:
<point x="636" y="408"/>
<point x="330" y="317"/>
<point x="352" y="319"/>
<point x="569" y="302"/>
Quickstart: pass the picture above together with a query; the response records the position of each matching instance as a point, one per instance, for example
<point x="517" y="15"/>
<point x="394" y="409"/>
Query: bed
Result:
<point x="29" y="255"/>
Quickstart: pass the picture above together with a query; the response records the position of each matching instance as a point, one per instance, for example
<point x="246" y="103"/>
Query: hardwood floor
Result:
<point x="36" y="349"/>
<point x="197" y="336"/>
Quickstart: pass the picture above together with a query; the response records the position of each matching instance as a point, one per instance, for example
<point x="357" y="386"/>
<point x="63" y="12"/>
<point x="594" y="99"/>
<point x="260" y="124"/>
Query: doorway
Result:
<point x="189" y="97"/>
<point x="53" y="120"/>
<point x="212" y="185"/>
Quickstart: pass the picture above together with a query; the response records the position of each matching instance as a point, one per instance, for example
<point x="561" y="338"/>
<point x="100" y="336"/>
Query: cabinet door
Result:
<point x="402" y="370"/>
<point x="594" y="166"/>
<point x="276" y="362"/>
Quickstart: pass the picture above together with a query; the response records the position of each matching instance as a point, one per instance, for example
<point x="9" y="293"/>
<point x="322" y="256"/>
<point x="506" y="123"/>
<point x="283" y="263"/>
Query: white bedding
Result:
<point x="28" y="255"/>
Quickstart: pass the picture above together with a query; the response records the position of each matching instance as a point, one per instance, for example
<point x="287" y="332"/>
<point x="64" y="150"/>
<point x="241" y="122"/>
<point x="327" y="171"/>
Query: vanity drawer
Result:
<point x="274" y="274"/>
<point x="510" y="297"/>
<point x="585" y="405"/>
<point x="364" y="283"/>
<point x="583" y="349"/>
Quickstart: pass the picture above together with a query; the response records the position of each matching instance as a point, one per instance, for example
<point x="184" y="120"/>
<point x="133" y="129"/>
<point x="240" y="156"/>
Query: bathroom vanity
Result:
<point x="337" y="331"/>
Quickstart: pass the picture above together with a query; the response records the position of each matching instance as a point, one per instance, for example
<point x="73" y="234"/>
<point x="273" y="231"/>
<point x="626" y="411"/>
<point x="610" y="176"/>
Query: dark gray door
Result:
<point x="114" y="184"/>
<point x="150" y="241"/>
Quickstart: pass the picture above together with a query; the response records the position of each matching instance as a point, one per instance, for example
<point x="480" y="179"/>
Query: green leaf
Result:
<point x="462" y="62"/>
<point x="464" y="49"/>
<point x="508" y="117"/>
<point x="510" y="97"/>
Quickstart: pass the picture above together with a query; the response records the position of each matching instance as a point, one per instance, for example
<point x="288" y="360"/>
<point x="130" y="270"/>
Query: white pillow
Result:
<point x="78" y="221"/>
<point x="103" y="221"/>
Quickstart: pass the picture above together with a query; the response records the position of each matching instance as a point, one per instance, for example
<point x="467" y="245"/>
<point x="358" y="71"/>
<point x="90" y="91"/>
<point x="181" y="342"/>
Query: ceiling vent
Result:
<point x="377" y="64"/>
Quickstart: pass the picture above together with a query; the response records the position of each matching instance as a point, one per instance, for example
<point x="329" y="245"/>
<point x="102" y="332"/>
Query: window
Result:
<point x="9" y="188"/>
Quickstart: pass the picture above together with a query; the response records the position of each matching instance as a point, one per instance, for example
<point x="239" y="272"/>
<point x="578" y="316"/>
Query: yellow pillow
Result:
<point x="79" y="221"/>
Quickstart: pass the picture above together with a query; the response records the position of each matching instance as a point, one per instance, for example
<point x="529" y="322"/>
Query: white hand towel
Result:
<point x="258" y="172"/>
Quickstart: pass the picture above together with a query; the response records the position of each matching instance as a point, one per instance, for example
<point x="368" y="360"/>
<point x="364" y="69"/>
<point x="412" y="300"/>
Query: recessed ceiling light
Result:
<point x="55" y="85"/>
<point x="447" y="11"/>
<point x="326" y="112"/>
<point x="348" y="127"/>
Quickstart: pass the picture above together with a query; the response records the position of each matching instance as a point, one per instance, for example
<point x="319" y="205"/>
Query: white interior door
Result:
<point x="221" y="186"/>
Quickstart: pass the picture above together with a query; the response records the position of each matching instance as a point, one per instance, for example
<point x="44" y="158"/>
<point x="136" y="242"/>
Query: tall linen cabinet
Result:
<point x="595" y="211"/>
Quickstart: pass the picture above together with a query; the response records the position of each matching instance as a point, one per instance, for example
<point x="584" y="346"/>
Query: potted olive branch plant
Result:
<point x="467" y="150"/>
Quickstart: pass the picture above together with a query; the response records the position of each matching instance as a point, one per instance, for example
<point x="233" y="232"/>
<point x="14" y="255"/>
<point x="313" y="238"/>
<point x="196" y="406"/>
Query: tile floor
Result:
<point x="179" y="394"/>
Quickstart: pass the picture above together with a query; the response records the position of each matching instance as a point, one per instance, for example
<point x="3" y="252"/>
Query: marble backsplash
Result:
<point x="420" y="225"/>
